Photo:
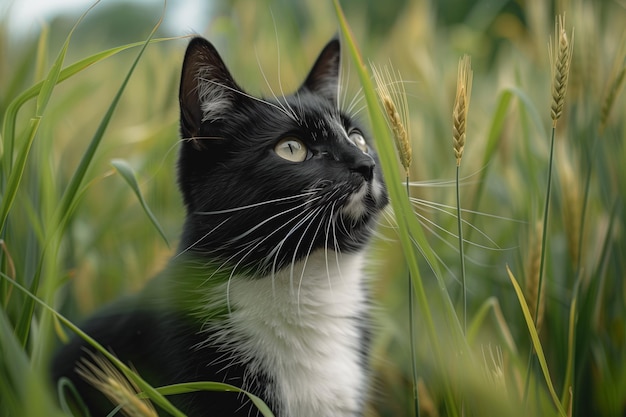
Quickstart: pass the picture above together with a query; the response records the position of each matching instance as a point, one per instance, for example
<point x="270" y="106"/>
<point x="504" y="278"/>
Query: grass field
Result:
<point x="89" y="208"/>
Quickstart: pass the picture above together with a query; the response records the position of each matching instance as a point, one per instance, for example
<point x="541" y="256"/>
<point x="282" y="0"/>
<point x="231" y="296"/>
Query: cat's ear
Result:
<point x="207" y="90"/>
<point x="323" y="79"/>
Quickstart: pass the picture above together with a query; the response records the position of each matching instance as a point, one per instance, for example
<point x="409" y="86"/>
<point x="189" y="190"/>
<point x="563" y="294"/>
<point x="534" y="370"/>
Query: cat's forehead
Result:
<point x="329" y="127"/>
<point x="323" y="121"/>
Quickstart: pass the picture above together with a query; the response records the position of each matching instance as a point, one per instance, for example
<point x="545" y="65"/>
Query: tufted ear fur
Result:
<point x="323" y="79"/>
<point x="207" y="90"/>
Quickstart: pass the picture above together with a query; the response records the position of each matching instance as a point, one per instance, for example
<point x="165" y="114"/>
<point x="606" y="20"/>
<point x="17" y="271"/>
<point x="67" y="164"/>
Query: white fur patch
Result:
<point x="302" y="328"/>
<point x="355" y="208"/>
<point x="215" y="99"/>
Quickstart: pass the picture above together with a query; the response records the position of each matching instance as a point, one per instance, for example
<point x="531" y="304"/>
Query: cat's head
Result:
<point x="266" y="181"/>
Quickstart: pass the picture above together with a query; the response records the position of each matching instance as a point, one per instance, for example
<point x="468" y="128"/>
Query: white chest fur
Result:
<point x="302" y="327"/>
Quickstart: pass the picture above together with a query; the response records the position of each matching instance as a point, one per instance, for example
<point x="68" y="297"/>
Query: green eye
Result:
<point x="291" y="149"/>
<point x="357" y="138"/>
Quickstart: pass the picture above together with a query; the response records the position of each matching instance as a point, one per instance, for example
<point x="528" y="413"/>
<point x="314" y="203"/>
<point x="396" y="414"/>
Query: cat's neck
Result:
<point x="304" y="327"/>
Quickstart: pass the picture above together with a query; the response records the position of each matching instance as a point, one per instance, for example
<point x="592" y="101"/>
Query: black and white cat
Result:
<point x="267" y="291"/>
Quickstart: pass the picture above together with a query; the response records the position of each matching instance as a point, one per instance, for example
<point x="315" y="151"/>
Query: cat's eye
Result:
<point x="291" y="149"/>
<point x="357" y="138"/>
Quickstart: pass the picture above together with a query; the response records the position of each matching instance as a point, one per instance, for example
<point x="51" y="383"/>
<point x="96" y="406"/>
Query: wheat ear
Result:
<point x="106" y="378"/>
<point x="461" y="106"/>
<point x="392" y="95"/>
<point x="560" y="60"/>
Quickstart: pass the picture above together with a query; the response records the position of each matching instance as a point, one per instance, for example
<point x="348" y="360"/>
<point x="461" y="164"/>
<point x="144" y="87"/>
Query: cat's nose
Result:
<point x="364" y="165"/>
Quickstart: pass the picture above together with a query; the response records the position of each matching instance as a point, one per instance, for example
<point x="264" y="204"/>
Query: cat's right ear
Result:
<point x="323" y="79"/>
<point x="207" y="90"/>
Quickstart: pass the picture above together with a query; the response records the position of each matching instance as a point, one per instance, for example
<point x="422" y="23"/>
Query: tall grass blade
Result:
<point x="77" y="178"/>
<point x="536" y="343"/>
<point x="214" y="386"/>
<point x="16" y="174"/>
<point x="127" y="173"/>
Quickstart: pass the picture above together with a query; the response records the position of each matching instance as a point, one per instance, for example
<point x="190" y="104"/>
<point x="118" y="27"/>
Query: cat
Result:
<point x="266" y="291"/>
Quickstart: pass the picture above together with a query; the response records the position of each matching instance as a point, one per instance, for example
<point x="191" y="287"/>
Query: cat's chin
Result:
<point x="366" y="202"/>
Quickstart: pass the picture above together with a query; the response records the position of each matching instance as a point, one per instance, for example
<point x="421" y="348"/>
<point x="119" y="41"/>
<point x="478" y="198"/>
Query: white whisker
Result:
<point x="441" y="207"/>
<point x="293" y="229"/>
<point x="356" y="100"/>
<point x="306" y="257"/>
<point x="276" y="200"/>
<point x="326" y="248"/>
<point x="424" y="220"/>
<point x="269" y="219"/>
<point x="333" y="217"/>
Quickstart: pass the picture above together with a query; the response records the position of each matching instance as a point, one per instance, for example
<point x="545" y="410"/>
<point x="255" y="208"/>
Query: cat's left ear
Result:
<point x="207" y="90"/>
<point x="323" y="79"/>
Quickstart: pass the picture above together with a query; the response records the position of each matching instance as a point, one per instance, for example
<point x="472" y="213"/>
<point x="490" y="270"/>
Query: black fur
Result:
<point x="228" y="162"/>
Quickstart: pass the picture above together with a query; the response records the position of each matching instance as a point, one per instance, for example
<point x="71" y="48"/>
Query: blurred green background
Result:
<point x="110" y="247"/>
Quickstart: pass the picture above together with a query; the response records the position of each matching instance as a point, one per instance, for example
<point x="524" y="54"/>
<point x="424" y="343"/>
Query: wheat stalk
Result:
<point x="106" y="378"/>
<point x="560" y="60"/>
<point x="461" y="106"/>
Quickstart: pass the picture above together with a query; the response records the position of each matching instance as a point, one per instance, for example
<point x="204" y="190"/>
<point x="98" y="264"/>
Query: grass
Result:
<point x="77" y="234"/>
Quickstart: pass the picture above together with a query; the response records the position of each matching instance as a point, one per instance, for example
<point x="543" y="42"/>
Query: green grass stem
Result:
<point x="416" y="404"/>
<point x="461" y="250"/>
